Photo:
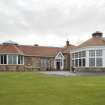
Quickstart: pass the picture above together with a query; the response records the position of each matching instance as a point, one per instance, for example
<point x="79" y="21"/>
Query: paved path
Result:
<point x="67" y="73"/>
<point x="59" y="73"/>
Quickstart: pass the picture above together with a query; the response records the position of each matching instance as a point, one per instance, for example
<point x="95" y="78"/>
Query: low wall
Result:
<point x="11" y="67"/>
<point x="17" y="68"/>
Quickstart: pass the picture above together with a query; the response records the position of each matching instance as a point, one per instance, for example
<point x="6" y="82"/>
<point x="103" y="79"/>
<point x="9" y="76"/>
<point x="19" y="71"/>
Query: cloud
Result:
<point x="55" y="18"/>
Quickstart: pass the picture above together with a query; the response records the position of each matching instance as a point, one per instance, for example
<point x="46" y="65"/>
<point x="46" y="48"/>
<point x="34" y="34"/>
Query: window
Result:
<point x="98" y="52"/>
<point x="12" y="59"/>
<point x="20" y="59"/>
<point x="9" y="59"/>
<point x="83" y="54"/>
<point x="92" y="53"/>
<point x="79" y="54"/>
<point x="44" y="63"/>
<point x="76" y="62"/>
<point x="79" y="62"/>
<point x="98" y="61"/>
<point x="79" y="59"/>
<point x="72" y="62"/>
<point x="3" y="59"/>
<point x="84" y="62"/>
<point x="95" y="58"/>
<point x="73" y="55"/>
<point x="92" y="62"/>
<point x="76" y="55"/>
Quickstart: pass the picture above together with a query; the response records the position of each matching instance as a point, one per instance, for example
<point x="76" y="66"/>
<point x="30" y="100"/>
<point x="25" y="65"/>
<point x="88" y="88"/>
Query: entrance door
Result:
<point x="58" y="65"/>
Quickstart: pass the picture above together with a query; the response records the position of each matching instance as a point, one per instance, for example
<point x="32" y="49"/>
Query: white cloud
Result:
<point x="50" y="19"/>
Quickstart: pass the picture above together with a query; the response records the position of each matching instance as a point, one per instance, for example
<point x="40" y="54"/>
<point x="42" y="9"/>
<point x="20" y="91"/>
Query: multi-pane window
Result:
<point x="84" y="62"/>
<point x="98" y="52"/>
<point x="80" y="62"/>
<point x="3" y="59"/>
<point x="95" y="58"/>
<point x="20" y="59"/>
<point x="92" y="53"/>
<point x="11" y="59"/>
<point x="44" y="63"/>
<point x="83" y="54"/>
<point x="76" y="62"/>
<point x="98" y="61"/>
<point x="78" y="59"/>
<point x="92" y="62"/>
<point x="76" y="55"/>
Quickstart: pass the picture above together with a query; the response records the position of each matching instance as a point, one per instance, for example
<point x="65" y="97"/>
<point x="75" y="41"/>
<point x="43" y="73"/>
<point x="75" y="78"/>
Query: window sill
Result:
<point x="11" y="64"/>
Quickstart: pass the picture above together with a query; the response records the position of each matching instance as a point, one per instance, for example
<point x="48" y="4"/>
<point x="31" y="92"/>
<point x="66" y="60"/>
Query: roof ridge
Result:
<point x="40" y="46"/>
<point x="18" y="50"/>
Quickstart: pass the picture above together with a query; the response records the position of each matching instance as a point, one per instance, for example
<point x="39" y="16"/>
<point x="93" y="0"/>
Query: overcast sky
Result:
<point x="50" y="22"/>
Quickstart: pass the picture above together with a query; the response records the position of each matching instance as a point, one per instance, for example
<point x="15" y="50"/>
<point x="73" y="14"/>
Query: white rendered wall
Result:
<point x="87" y="52"/>
<point x="87" y="58"/>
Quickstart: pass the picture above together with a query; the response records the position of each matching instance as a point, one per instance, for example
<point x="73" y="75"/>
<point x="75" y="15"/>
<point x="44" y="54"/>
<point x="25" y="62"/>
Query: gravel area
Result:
<point x="59" y="73"/>
<point x="67" y="73"/>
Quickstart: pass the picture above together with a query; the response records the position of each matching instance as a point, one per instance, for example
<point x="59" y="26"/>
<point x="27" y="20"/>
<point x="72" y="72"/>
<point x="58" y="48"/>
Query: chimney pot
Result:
<point x="97" y="34"/>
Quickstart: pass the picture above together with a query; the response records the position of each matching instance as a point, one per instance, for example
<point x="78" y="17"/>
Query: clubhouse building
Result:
<point x="88" y="56"/>
<point x="15" y="57"/>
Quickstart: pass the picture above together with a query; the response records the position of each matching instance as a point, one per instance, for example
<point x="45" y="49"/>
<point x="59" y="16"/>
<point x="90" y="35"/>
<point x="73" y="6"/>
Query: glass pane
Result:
<point x="98" y="52"/>
<point x="20" y="59"/>
<point x="92" y="62"/>
<point x="2" y="59"/>
<point x="79" y="54"/>
<point x="76" y="63"/>
<point x="83" y="54"/>
<point x="91" y="53"/>
<point x="79" y="62"/>
<point x="84" y="62"/>
<point x="9" y="59"/>
<point x="14" y="59"/>
<point x="76" y="55"/>
<point x="5" y="59"/>
<point x="98" y="61"/>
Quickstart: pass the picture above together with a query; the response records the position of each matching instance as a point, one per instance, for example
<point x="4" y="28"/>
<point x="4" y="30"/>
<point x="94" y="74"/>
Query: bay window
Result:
<point x="11" y="59"/>
<point x="79" y="59"/>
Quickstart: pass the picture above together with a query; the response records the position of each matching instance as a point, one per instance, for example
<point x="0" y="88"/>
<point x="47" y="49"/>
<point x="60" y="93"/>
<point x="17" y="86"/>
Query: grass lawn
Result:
<point x="38" y="89"/>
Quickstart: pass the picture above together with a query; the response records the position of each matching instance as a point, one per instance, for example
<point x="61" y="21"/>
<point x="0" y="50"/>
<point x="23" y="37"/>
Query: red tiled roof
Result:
<point x="40" y="50"/>
<point x="8" y="49"/>
<point x="94" y="41"/>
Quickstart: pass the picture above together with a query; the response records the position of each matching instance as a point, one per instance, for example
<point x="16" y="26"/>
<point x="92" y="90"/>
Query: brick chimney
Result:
<point x="67" y="43"/>
<point x="97" y="34"/>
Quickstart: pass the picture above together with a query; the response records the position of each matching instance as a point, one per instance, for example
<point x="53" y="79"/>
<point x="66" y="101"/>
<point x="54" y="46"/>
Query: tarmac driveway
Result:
<point x="67" y="73"/>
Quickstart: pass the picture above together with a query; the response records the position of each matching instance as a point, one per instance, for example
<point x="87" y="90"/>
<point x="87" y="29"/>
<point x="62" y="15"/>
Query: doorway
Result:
<point x="58" y="65"/>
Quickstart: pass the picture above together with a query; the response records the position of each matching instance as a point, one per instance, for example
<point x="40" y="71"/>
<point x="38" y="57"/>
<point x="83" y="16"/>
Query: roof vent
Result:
<point x="97" y="34"/>
<point x="9" y="42"/>
<point x="36" y="45"/>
